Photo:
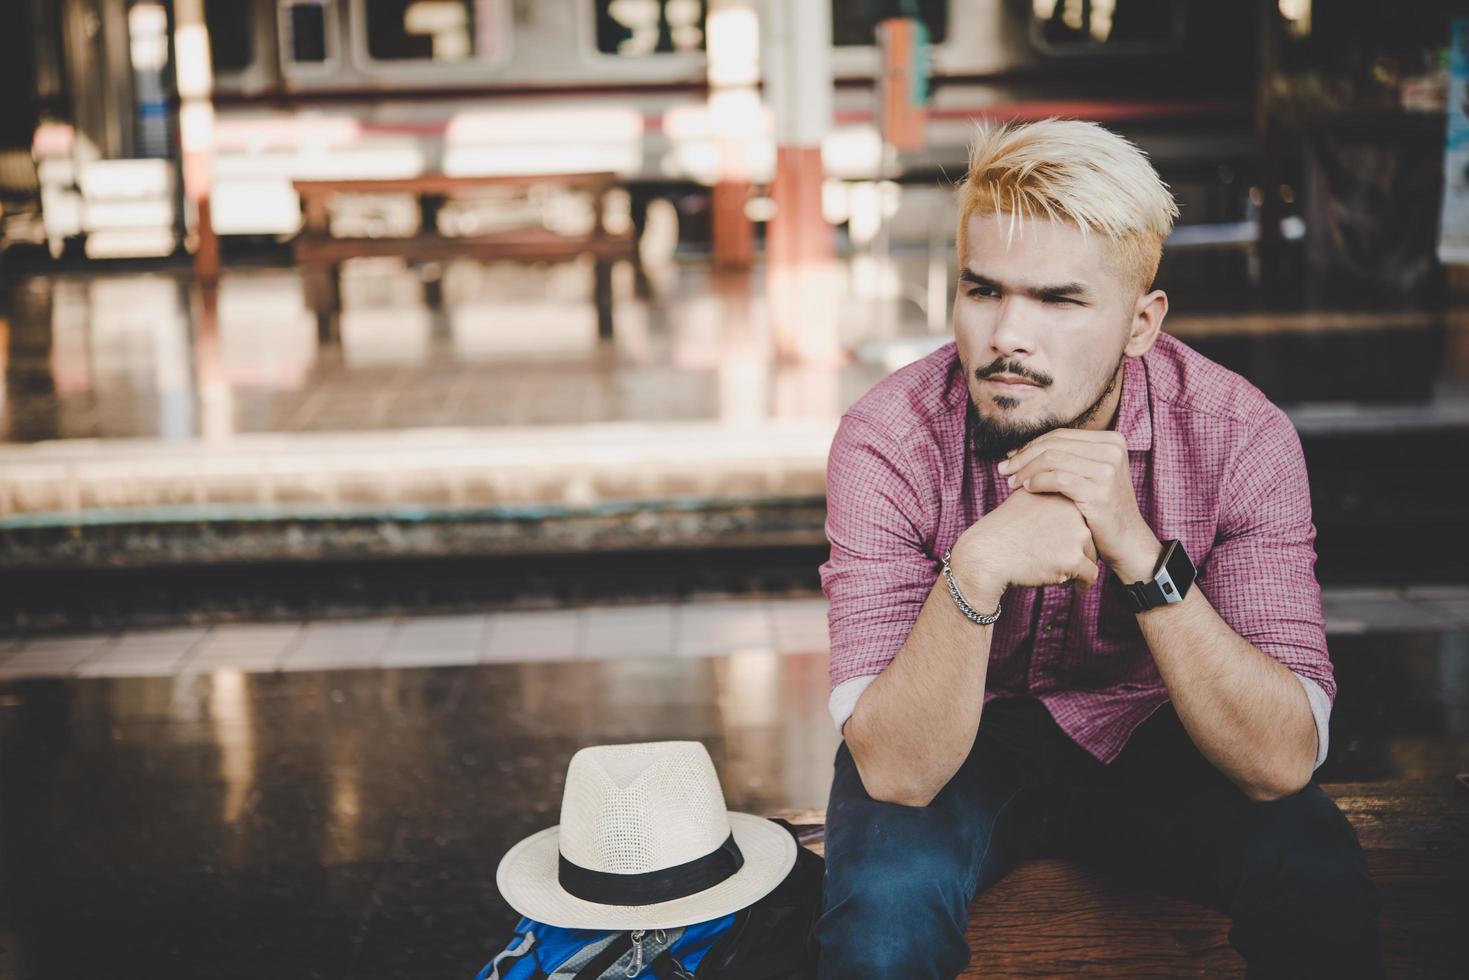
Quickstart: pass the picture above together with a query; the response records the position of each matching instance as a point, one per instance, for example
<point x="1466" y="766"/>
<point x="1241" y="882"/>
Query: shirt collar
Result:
<point x="1134" y="420"/>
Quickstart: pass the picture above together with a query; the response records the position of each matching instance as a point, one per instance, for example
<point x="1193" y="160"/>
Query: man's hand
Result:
<point x="1030" y="539"/>
<point x="1090" y="468"/>
<point x="915" y="723"/>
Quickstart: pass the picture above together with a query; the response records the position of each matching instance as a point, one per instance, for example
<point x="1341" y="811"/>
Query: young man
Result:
<point x="1064" y="466"/>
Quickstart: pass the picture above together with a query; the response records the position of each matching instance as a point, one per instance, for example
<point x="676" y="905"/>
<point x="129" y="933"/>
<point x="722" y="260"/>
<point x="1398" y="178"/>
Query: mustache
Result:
<point x="1000" y="367"/>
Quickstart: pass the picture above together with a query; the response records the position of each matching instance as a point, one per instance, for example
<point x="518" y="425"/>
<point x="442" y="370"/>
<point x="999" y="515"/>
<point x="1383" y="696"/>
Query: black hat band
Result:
<point x="652" y="887"/>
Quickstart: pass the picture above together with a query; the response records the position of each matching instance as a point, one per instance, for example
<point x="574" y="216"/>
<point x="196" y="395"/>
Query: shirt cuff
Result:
<point x="843" y="700"/>
<point x="1320" y="710"/>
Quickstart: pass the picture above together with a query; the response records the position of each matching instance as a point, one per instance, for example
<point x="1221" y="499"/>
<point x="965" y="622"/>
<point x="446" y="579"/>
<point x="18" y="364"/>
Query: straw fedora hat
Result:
<point x="644" y="842"/>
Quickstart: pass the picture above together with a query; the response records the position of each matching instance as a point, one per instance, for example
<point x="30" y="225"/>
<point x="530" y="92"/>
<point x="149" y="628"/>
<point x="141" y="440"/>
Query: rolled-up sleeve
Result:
<point x="1260" y="575"/>
<point x="879" y="572"/>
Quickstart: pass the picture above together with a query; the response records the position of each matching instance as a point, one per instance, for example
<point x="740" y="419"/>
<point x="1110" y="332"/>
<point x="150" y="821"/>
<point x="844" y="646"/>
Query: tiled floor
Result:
<point x="339" y="823"/>
<point x="685" y="629"/>
<point x="235" y="803"/>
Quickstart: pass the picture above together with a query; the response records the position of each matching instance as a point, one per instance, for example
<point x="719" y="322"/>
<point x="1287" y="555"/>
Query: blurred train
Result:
<point x="366" y="88"/>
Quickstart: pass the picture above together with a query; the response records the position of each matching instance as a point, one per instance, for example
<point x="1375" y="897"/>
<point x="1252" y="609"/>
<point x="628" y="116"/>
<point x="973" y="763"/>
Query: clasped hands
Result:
<point x="1090" y="468"/>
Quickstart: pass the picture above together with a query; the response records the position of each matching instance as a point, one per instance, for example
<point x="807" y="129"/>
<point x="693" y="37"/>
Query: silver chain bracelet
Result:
<point x="969" y="611"/>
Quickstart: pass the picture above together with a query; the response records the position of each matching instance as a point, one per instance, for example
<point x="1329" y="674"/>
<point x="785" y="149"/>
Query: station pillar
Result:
<point x="798" y="87"/>
<point x="732" y="43"/>
<point x="196" y="129"/>
<point x="802" y="281"/>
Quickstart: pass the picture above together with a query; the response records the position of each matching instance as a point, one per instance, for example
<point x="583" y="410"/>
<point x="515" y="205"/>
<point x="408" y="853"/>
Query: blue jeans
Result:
<point x="1290" y="872"/>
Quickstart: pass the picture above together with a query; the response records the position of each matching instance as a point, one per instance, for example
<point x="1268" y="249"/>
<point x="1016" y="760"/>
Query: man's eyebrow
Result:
<point x="1060" y="290"/>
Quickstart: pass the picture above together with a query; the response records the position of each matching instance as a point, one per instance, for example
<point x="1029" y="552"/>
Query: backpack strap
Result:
<point x="665" y="967"/>
<point x="614" y="949"/>
<point x="508" y="957"/>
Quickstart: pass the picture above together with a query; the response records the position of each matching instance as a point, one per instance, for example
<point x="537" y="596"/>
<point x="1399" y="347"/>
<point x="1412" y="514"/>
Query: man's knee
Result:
<point x="896" y="912"/>
<point x="1305" y="900"/>
<point x="1302" y="845"/>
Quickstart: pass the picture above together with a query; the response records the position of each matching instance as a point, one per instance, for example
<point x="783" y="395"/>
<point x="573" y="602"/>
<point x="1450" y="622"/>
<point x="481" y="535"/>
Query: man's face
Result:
<point x="1049" y="310"/>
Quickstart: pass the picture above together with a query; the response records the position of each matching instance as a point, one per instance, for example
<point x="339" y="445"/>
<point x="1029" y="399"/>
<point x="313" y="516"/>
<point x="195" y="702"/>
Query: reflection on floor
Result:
<point x="330" y="800"/>
<point x="504" y="345"/>
<point x="468" y="344"/>
<point x="343" y="823"/>
<point x="698" y="628"/>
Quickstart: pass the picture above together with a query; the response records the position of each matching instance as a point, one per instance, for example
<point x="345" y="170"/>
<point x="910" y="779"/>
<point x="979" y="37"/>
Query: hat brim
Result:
<point x="527" y="879"/>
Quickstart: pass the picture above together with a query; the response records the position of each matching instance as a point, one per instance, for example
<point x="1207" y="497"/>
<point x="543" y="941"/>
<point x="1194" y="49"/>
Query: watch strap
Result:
<point x="1150" y="593"/>
<point x="1142" y="596"/>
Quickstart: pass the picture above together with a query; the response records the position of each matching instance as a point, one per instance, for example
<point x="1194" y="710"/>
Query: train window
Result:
<point x="432" y="30"/>
<point x="305" y="24"/>
<point x="854" y="22"/>
<point x="1106" y="26"/>
<point x="642" y="27"/>
<point x="231" y="34"/>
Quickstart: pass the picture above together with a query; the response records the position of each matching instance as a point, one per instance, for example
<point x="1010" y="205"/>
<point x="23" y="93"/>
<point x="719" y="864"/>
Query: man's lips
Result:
<point x="1010" y="381"/>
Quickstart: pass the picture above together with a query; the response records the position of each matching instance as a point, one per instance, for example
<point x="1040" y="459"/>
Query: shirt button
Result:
<point x="1047" y="628"/>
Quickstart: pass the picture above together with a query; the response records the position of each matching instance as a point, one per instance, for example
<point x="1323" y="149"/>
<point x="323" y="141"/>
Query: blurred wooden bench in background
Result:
<point x="1052" y="917"/>
<point x="320" y="254"/>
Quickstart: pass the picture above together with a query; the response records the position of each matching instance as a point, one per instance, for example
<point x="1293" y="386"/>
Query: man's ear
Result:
<point x="1147" y="321"/>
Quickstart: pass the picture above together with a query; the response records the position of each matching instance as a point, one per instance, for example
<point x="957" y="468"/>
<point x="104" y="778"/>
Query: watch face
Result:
<point x="1177" y="574"/>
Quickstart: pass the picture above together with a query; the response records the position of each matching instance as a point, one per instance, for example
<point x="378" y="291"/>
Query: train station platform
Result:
<point x="320" y="621"/>
<point x="469" y="411"/>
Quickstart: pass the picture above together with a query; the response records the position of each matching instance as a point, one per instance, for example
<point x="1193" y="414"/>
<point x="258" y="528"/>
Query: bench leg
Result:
<point x="602" y="296"/>
<point x="324" y="294"/>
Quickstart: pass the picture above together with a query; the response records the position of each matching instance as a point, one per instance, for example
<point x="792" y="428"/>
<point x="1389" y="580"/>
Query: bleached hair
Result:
<point x="1070" y="170"/>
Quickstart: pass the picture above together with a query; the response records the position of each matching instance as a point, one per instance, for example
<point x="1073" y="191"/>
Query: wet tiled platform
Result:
<point x="331" y="799"/>
<point x="486" y="385"/>
<point x="699" y="628"/>
<point x="151" y="356"/>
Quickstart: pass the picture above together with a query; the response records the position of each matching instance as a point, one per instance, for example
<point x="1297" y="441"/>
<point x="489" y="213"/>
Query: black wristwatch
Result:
<point x="1171" y="579"/>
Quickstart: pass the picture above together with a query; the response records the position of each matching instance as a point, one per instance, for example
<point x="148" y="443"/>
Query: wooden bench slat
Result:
<point x="313" y="249"/>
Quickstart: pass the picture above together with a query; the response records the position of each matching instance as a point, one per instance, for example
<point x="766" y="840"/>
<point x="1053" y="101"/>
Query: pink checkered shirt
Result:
<point x="1214" y="464"/>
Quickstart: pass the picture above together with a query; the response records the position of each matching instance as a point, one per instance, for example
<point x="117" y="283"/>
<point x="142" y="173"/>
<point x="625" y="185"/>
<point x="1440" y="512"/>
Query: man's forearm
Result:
<point x="1246" y="711"/>
<point x="915" y="724"/>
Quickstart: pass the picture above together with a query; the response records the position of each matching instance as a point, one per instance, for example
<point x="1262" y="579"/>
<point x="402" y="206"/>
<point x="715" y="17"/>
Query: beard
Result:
<point x="991" y="438"/>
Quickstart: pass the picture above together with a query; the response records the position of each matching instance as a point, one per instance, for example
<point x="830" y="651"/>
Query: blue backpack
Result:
<point x="540" y="952"/>
<point x="770" y="940"/>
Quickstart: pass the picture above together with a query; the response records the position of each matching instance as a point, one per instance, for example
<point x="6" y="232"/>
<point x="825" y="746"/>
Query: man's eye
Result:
<point x="1061" y="300"/>
<point x="983" y="292"/>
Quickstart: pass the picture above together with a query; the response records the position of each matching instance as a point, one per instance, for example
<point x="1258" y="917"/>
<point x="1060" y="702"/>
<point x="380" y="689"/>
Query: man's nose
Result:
<point x="1011" y="335"/>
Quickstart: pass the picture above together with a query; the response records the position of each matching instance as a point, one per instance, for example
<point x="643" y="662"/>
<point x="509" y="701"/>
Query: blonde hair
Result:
<point x="1067" y="169"/>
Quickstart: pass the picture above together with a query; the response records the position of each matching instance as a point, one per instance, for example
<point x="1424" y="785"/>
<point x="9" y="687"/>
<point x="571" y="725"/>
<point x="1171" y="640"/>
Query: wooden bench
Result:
<point x="1052" y="917"/>
<point x="320" y="254"/>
